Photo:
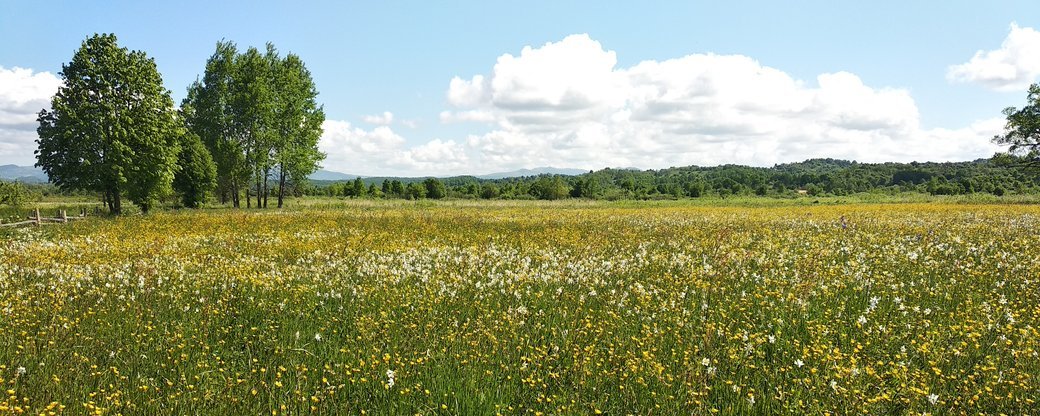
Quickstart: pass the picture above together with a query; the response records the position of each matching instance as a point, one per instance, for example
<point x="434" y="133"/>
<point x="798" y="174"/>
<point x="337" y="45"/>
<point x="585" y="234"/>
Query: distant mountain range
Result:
<point x="533" y="172"/>
<point x="27" y="174"/>
<point x="328" y="175"/>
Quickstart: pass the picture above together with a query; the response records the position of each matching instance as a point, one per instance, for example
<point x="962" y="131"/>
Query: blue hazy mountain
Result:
<point x="22" y="174"/>
<point x="533" y="172"/>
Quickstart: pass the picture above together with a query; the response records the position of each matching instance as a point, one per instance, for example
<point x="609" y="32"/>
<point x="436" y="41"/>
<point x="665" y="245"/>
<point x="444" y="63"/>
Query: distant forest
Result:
<point x="815" y="177"/>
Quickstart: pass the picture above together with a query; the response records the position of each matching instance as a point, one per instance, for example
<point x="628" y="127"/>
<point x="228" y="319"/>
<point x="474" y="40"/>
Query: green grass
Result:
<point x="521" y="307"/>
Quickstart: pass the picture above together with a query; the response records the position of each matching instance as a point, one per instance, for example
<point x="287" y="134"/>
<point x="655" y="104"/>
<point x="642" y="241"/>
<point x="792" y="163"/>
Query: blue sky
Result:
<point x="649" y="84"/>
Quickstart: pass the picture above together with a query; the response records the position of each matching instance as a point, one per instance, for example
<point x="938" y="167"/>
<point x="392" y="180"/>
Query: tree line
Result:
<point x="815" y="177"/>
<point x="250" y="124"/>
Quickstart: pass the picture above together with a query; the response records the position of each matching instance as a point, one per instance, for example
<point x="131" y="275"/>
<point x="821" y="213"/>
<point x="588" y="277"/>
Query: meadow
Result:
<point x="527" y="308"/>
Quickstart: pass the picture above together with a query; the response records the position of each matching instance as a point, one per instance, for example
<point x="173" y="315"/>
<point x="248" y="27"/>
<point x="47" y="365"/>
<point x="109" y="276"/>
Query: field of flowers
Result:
<point x="390" y="308"/>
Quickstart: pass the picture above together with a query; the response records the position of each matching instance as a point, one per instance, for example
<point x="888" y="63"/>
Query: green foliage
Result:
<point x="357" y="188"/>
<point x="397" y="188"/>
<point x="550" y="188"/>
<point x="1022" y="131"/>
<point x="257" y="114"/>
<point x="15" y="194"/>
<point x="111" y="127"/>
<point x="415" y="191"/>
<point x="816" y="177"/>
<point x="197" y="174"/>
<point x="586" y="187"/>
<point x="298" y="118"/>
<point x="208" y="112"/>
<point x="489" y="191"/>
<point x="434" y="188"/>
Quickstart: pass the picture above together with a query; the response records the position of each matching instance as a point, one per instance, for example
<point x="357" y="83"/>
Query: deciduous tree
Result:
<point x="111" y="127"/>
<point x="196" y="174"/>
<point x="208" y="113"/>
<point x="1022" y="131"/>
<point x="298" y="120"/>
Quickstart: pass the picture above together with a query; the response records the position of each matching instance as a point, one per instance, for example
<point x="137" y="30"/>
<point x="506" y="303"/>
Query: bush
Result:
<point x="14" y="194"/>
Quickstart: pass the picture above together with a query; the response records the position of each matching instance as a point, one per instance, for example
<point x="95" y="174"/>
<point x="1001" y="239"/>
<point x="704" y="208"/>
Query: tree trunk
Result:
<point x="117" y="203"/>
<point x="267" y="173"/>
<point x="281" y="185"/>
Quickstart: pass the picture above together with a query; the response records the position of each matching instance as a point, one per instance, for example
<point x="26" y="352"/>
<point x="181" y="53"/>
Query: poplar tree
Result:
<point x="298" y="118"/>
<point x="208" y="113"/>
<point x="257" y="114"/>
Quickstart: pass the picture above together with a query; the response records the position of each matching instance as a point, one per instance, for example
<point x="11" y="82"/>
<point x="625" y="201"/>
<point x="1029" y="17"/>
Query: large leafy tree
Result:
<point x="298" y="119"/>
<point x="208" y="112"/>
<point x="1022" y="131"/>
<point x="111" y="127"/>
<point x="252" y="100"/>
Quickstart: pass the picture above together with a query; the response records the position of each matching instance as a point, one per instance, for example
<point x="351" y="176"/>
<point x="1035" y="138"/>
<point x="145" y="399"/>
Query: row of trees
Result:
<point x="257" y="115"/>
<point x="113" y="129"/>
<point x="427" y="188"/>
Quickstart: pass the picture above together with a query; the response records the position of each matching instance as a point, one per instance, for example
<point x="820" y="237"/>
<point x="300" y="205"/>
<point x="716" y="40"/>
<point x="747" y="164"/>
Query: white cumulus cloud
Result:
<point x="567" y="103"/>
<point x="381" y="119"/>
<point x="381" y="151"/>
<point x="436" y="156"/>
<point x="23" y="93"/>
<point x="1011" y="68"/>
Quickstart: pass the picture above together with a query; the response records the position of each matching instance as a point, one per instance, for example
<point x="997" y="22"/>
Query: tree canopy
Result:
<point x="1022" y="131"/>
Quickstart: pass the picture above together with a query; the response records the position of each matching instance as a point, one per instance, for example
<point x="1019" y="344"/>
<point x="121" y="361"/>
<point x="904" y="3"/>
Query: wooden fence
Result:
<point x="36" y="219"/>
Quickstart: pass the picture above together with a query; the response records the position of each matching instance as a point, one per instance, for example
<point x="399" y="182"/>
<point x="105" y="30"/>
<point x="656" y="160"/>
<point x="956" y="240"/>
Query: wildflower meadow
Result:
<point x="526" y="308"/>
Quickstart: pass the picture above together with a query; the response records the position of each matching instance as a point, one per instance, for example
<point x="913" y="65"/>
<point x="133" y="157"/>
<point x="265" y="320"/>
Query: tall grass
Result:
<point x="527" y="308"/>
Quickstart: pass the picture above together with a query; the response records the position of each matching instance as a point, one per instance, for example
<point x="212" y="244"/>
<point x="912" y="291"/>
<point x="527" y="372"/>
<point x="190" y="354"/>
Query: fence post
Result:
<point x="64" y="218"/>
<point x="36" y="214"/>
